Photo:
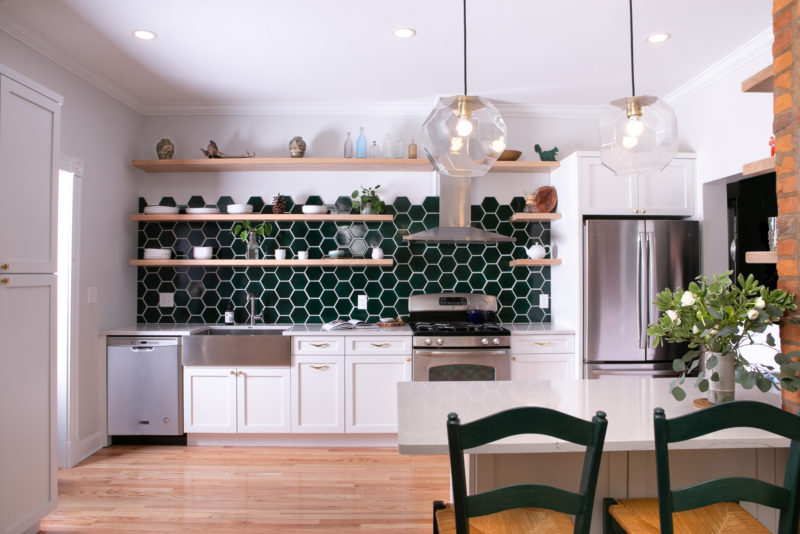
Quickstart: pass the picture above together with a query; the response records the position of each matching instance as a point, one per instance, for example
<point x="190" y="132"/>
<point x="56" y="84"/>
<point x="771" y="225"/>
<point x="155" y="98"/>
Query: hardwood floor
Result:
<point x="153" y="489"/>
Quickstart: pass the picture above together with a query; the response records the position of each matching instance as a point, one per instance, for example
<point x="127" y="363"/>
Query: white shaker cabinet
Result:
<point x="317" y="393"/>
<point x="371" y="386"/>
<point x="209" y="399"/>
<point x="543" y="357"/>
<point x="668" y="193"/>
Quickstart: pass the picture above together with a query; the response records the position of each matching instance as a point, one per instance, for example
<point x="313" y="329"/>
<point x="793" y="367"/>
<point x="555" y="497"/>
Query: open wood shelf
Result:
<point x="757" y="168"/>
<point x="760" y="82"/>
<point x="337" y="217"/>
<point x="327" y="262"/>
<point x="761" y="256"/>
<point x="532" y="263"/>
<point x="534" y="217"/>
<point x="319" y="164"/>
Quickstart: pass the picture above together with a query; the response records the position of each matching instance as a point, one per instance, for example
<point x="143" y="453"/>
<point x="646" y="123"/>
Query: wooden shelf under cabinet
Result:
<point x="319" y="164"/>
<point x="761" y="256"/>
<point x="534" y="217"/>
<point x="760" y="82"/>
<point x="534" y="263"/>
<point x="201" y="217"/>
<point x="344" y="262"/>
<point x="757" y="168"/>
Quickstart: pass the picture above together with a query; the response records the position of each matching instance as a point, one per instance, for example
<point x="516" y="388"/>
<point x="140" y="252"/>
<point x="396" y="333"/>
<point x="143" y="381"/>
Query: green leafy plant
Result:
<point x="368" y="195"/>
<point x="243" y="229"/>
<point x="716" y="315"/>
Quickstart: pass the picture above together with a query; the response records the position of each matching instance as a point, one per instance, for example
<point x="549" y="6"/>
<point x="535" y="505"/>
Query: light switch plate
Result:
<point x="544" y="300"/>
<point x="362" y="302"/>
<point x="166" y="300"/>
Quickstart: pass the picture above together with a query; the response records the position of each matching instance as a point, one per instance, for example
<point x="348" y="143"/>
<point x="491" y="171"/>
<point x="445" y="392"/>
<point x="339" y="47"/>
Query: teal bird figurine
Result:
<point x="546" y="155"/>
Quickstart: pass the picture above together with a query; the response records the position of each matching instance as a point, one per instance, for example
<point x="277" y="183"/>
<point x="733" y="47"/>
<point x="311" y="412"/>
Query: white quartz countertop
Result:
<point x="155" y="329"/>
<point x="537" y="328"/>
<point x="628" y="403"/>
<point x="316" y="330"/>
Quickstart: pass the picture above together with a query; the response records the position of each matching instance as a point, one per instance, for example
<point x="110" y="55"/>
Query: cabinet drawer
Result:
<point x="318" y="345"/>
<point x="378" y="345"/>
<point x="539" y="344"/>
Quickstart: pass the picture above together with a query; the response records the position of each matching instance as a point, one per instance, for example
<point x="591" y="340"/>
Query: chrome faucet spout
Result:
<point x="251" y="299"/>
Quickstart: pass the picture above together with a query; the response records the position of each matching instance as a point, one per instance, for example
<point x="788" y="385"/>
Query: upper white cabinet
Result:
<point x="668" y="193"/>
<point x="29" y="130"/>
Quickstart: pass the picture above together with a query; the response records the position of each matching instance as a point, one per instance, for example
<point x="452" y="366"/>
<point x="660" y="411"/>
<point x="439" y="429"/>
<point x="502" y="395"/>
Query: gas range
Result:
<point x="443" y="320"/>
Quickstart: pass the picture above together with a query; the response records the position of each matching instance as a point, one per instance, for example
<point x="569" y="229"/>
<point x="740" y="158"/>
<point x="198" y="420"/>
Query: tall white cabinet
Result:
<point x="29" y="130"/>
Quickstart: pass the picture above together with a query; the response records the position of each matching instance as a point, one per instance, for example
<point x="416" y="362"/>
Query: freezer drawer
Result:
<point x="628" y="370"/>
<point x="144" y="387"/>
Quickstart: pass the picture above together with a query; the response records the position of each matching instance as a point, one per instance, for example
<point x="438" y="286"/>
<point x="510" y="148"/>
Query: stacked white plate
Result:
<point x="202" y="210"/>
<point x="308" y="208"/>
<point x="157" y="253"/>
<point x="240" y="208"/>
<point x="160" y="209"/>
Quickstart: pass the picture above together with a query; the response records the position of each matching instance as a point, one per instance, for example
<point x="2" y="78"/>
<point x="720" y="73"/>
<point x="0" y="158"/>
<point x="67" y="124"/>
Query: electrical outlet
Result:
<point x="362" y="302"/>
<point x="166" y="300"/>
<point x="544" y="300"/>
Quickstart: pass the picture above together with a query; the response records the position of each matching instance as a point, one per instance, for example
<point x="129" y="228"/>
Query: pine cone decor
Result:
<point x="279" y="204"/>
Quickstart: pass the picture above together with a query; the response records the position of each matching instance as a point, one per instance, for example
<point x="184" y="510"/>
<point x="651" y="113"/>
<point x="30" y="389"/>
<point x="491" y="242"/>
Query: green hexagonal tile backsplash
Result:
<point x="321" y="294"/>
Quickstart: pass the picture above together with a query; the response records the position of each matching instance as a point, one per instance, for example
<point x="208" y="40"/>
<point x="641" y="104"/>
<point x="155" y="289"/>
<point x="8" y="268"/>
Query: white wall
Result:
<point x="104" y="133"/>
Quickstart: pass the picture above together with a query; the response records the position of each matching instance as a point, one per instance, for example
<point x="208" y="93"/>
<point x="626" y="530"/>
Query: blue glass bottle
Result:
<point x="361" y="144"/>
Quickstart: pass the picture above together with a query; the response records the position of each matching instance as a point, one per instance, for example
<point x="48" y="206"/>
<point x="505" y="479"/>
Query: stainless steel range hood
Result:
<point x="454" y="216"/>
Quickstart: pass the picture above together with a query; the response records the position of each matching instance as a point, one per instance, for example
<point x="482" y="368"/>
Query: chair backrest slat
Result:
<point x="731" y="415"/>
<point x="728" y="490"/>
<point x="524" y="495"/>
<point x="536" y="421"/>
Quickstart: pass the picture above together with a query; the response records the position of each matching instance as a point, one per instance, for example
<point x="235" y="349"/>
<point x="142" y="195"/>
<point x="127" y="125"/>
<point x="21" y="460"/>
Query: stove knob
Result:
<point x="427" y="341"/>
<point x="439" y="341"/>
<point x="484" y="341"/>
<point x="495" y="341"/>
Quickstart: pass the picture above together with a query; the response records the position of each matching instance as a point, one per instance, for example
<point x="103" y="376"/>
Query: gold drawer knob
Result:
<point x="4" y="281"/>
<point x="4" y="267"/>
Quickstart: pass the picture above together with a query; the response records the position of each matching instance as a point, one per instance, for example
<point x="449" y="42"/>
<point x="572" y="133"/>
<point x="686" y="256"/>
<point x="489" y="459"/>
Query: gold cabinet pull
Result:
<point x="319" y="345"/>
<point x="514" y="358"/>
<point x="319" y="367"/>
<point x="241" y="373"/>
<point x="4" y="267"/>
<point x="635" y="211"/>
<point x="541" y="343"/>
<point x="408" y="359"/>
<point x="379" y="345"/>
<point x="642" y="211"/>
<point x="4" y="281"/>
<point x="233" y="372"/>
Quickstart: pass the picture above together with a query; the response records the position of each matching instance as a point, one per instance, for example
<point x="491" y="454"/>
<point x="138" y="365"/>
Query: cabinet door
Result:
<point x="209" y="399"/>
<point x="670" y="192"/>
<point x="28" y="489"/>
<point x="263" y="399"/>
<point x="371" y="389"/>
<point x="605" y="193"/>
<point x="542" y="366"/>
<point x="30" y="125"/>
<point x="317" y="394"/>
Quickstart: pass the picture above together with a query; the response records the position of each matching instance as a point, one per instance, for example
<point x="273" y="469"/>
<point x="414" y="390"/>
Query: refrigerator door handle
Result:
<point x="639" y="281"/>
<point x="651" y="282"/>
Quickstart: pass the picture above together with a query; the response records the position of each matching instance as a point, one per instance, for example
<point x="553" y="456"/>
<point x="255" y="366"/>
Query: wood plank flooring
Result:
<point x="154" y="489"/>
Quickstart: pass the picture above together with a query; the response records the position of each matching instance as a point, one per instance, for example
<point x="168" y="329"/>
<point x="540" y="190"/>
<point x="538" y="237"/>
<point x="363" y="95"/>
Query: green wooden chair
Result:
<point x="520" y="508"/>
<point x="710" y="506"/>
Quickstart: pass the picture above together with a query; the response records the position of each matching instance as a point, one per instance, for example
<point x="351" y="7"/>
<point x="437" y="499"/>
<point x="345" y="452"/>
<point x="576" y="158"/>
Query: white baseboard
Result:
<point x="293" y="440"/>
<point x="86" y="447"/>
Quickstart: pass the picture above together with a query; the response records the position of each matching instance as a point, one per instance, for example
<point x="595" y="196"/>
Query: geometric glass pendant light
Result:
<point x="638" y="134"/>
<point x="464" y="135"/>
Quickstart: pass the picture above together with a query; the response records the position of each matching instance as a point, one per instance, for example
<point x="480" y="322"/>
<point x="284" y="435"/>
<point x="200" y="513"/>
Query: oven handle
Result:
<point x="455" y="352"/>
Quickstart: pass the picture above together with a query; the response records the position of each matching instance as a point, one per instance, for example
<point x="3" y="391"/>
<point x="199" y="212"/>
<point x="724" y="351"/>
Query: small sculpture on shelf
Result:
<point x="212" y="152"/>
<point x="279" y="204"/>
<point x="543" y="200"/>
<point x="546" y="155"/>
<point x="297" y="147"/>
<point x="165" y="149"/>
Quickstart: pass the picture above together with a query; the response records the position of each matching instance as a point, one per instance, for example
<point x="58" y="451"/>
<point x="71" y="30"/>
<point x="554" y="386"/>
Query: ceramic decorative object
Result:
<point x="537" y="251"/>
<point x="297" y="147"/>
<point x="279" y="204"/>
<point x="280" y="253"/>
<point x="546" y="155"/>
<point x="165" y="149"/>
<point x="377" y="253"/>
<point x="213" y="152"/>
<point x="510" y="155"/>
<point x="723" y="389"/>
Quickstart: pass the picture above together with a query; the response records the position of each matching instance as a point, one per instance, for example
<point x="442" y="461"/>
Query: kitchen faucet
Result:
<point x="251" y="299"/>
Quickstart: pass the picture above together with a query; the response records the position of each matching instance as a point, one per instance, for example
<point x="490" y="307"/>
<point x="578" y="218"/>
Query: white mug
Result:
<point x="302" y="254"/>
<point x="537" y="251"/>
<point x="280" y="253"/>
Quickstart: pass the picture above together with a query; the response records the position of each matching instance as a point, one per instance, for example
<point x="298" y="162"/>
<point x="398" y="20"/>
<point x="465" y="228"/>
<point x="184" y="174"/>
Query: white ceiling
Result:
<point x="270" y="54"/>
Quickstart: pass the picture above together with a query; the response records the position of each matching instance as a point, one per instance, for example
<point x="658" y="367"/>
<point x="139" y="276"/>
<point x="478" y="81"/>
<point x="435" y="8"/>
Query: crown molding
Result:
<point x="722" y="68"/>
<point x="38" y="43"/>
<point x="549" y="112"/>
<point x="295" y="108"/>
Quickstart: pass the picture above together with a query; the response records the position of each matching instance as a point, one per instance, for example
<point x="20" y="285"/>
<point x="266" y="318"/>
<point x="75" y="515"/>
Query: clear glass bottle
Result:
<point x="374" y="152"/>
<point x="388" y="146"/>
<point x="399" y="148"/>
<point x="348" y="146"/>
<point x="412" y="149"/>
<point x="253" y="250"/>
<point x="361" y="144"/>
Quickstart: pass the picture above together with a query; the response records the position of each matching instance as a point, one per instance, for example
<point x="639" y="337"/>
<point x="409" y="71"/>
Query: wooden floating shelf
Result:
<point x="534" y="217"/>
<point x="345" y="262"/>
<point x="761" y="256"/>
<point x="757" y="168"/>
<point x="337" y="217"/>
<point x="760" y="82"/>
<point x="531" y="263"/>
<point x="319" y="164"/>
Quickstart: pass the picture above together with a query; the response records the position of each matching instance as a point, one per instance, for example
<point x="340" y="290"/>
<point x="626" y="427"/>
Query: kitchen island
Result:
<point x="628" y="466"/>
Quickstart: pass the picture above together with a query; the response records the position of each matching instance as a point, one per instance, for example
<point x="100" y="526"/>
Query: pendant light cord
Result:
<point x="630" y="15"/>
<point x="465" y="45"/>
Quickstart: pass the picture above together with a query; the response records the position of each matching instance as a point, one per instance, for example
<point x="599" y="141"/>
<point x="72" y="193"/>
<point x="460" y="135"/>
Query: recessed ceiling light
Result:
<point x="658" y="37"/>
<point x="404" y="33"/>
<point x="145" y="35"/>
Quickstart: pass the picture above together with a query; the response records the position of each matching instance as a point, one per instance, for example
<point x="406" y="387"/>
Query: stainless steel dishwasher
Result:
<point x="144" y="386"/>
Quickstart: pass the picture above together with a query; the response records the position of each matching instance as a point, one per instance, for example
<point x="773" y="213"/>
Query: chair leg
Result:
<point x="437" y="505"/>
<point x="609" y="525"/>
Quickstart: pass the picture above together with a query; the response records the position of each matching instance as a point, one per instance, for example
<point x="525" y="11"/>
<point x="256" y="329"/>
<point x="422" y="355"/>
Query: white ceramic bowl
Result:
<point x="157" y="253"/>
<point x="202" y="253"/>
<point x="314" y="209"/>
<point x="240" y="208"/>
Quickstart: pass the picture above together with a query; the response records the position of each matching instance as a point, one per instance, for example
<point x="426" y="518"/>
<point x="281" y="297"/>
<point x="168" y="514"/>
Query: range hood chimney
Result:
<point x="454" y="216"/>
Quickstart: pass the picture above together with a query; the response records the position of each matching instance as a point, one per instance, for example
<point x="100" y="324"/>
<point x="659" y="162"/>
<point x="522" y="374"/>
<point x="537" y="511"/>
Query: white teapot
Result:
<point x="537" y="251"/>
<point x="377" y="253"/>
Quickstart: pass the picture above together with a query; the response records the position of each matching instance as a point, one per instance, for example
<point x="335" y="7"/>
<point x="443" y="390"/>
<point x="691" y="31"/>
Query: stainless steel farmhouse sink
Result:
<point x="237" y="346"/>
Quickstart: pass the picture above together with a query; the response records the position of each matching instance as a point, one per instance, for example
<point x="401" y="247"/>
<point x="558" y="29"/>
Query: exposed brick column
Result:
<point x="786" y="106"/>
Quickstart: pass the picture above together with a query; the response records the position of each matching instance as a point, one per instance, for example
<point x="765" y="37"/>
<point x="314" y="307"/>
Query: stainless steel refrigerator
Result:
<point x="626" y="263"/>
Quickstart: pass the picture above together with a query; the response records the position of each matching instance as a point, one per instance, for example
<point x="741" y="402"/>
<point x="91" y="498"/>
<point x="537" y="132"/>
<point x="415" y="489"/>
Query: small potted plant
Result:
<point x="368" y="201"/>
<point x="716" y="317"/>
<point x="249" y="233"/>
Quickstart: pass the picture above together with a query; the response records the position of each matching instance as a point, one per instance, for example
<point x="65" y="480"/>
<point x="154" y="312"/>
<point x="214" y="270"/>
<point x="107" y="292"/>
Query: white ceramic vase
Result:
<point x="724" y="389"/>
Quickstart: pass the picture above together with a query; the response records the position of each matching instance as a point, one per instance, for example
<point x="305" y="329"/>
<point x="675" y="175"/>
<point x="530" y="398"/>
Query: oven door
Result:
<point x="438" y="365"/>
